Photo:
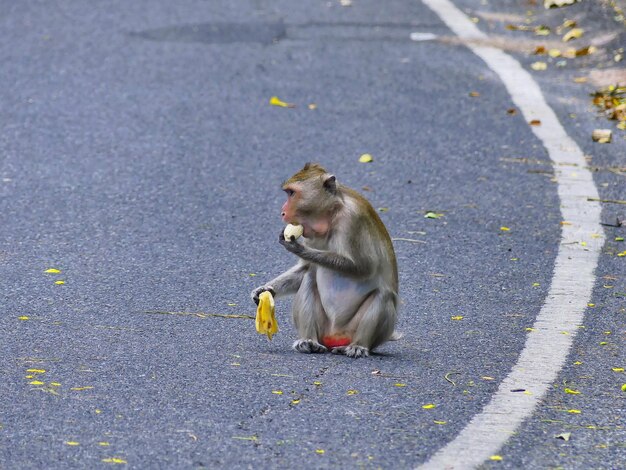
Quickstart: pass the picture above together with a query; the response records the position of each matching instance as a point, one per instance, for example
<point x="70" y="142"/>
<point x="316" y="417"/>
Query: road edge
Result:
<point x="582" y="237"/>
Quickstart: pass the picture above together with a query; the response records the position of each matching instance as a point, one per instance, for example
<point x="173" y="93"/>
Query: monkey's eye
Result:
<point x="290" y="192"/>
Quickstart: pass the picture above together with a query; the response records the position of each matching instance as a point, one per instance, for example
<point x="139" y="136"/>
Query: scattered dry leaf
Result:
<point x="602" y="136"/>
<point x="276" y="101"/>
<point x="573" y="33"/>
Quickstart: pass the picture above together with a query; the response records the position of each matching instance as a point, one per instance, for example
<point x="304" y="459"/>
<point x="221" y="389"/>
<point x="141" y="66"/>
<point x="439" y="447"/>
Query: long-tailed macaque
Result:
<point x="346" y="279"/>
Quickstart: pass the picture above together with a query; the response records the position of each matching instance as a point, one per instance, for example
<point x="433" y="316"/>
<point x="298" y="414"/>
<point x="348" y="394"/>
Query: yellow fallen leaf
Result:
<point x="59" y="283"/>
<point x="474" y="94"/>
<point x="429" y="406"/>
<point x="624" y="388"/>
<point x="104" y="444"/>
<point x="295" y="402"/>
<point x="55" y="384"/>
<point x="317" y="382"/>
<point x="72" y="443"/>
<point x="352" y="392"/>
<point x="576" y="412"/>
<point x="574" y="33"/>
<point x="366" y="158"/>
<point x="617" y="369"/>
<point x="319" y="451"/>
<point x="23" y="318"/>
<point x="572" y="392"/>
<point x="277" y="392"/>
<point x="36" y="382"/>
<point x="36" y="371"/>
<point x="554" y="53"/>
<point x="496" y="458"/>
<point x="457" y="317"/>
<point x="52" y="271"/>
<point x="439" y="422"/>
<point x="577" y="363"/>
<point x="399" y="385"/>
<point x="529" y="329"/>
<point x="487" y="378"/>
<point x="505" y="229"/>
<point x="276" y="101"/>
<point x="536" y="284"/>
<point x="539" y="66"/>
<point x="78" y="389"/>
<point x="116" y="460"/>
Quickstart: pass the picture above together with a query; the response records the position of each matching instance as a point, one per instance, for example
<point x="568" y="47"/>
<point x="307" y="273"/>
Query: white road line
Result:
<point x="547" y="347"/>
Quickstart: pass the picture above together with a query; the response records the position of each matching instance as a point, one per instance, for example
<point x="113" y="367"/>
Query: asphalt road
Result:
<point x="140" y="157"/>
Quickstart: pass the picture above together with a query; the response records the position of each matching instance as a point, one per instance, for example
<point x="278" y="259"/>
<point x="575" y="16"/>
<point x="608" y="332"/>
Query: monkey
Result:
<point x="346" y="278"/>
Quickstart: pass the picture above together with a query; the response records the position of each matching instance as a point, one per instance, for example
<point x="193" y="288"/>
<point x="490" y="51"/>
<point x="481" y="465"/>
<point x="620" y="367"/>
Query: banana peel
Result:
<point x="265" y="318"/>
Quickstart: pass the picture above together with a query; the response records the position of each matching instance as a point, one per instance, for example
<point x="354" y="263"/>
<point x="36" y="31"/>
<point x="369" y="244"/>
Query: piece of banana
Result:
<point x="295" y="231"/>
<point x="265" y="319"/>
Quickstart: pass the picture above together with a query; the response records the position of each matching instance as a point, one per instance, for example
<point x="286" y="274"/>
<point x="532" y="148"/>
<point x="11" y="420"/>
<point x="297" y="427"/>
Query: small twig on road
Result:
<point x="611" y="201"/>
<point x="201" y="314"/>
<point x="408" y="240"/>
<point x="447" y="377"/>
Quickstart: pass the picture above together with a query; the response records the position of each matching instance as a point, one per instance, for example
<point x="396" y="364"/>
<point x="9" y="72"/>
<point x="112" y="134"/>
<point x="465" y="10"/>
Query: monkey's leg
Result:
<point x="309" y="316"/>
<point x="376" y="325"/>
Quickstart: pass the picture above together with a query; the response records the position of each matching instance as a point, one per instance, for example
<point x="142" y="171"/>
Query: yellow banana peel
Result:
<point x="265" y="319"/>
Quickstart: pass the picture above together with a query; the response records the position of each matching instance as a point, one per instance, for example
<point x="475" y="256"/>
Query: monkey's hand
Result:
<point x="256" y="292"/>
<point x="292" y="245"/>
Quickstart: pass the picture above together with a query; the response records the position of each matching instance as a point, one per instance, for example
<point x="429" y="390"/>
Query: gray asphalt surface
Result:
<point x="139" y="156"/>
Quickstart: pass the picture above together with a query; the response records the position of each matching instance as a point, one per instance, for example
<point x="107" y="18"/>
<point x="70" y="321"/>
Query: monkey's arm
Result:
<point x="328" y="259"/>
<point x="285" y="284"/>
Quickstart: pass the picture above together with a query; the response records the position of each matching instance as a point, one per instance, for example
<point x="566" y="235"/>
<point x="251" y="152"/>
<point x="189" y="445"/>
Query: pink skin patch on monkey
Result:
<point x="335" y="341"/>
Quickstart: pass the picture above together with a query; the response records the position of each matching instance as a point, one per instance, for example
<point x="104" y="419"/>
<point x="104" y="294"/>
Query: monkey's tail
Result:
<point x="396" y="336"/>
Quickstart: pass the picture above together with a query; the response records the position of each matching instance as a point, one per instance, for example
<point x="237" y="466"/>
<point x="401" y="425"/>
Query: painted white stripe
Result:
<point x="546" y="349"/>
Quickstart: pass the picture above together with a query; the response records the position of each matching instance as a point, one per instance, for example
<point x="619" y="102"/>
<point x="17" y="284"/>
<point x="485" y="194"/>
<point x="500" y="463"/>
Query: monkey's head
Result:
<point x="311" y="194"/>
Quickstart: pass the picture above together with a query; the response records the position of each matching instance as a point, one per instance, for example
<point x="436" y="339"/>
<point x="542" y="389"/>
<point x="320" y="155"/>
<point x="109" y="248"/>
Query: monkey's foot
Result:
<point x="339" y="350"/>
<point x="356" y="351"/>
<point x="308" y="346"/>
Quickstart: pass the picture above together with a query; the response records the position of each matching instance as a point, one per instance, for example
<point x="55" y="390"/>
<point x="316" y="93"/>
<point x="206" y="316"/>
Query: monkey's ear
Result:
<point x="330" y="183"/>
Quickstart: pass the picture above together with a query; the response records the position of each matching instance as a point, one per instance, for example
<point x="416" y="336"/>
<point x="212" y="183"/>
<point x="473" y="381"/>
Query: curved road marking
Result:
<point x="547" y="347"/>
